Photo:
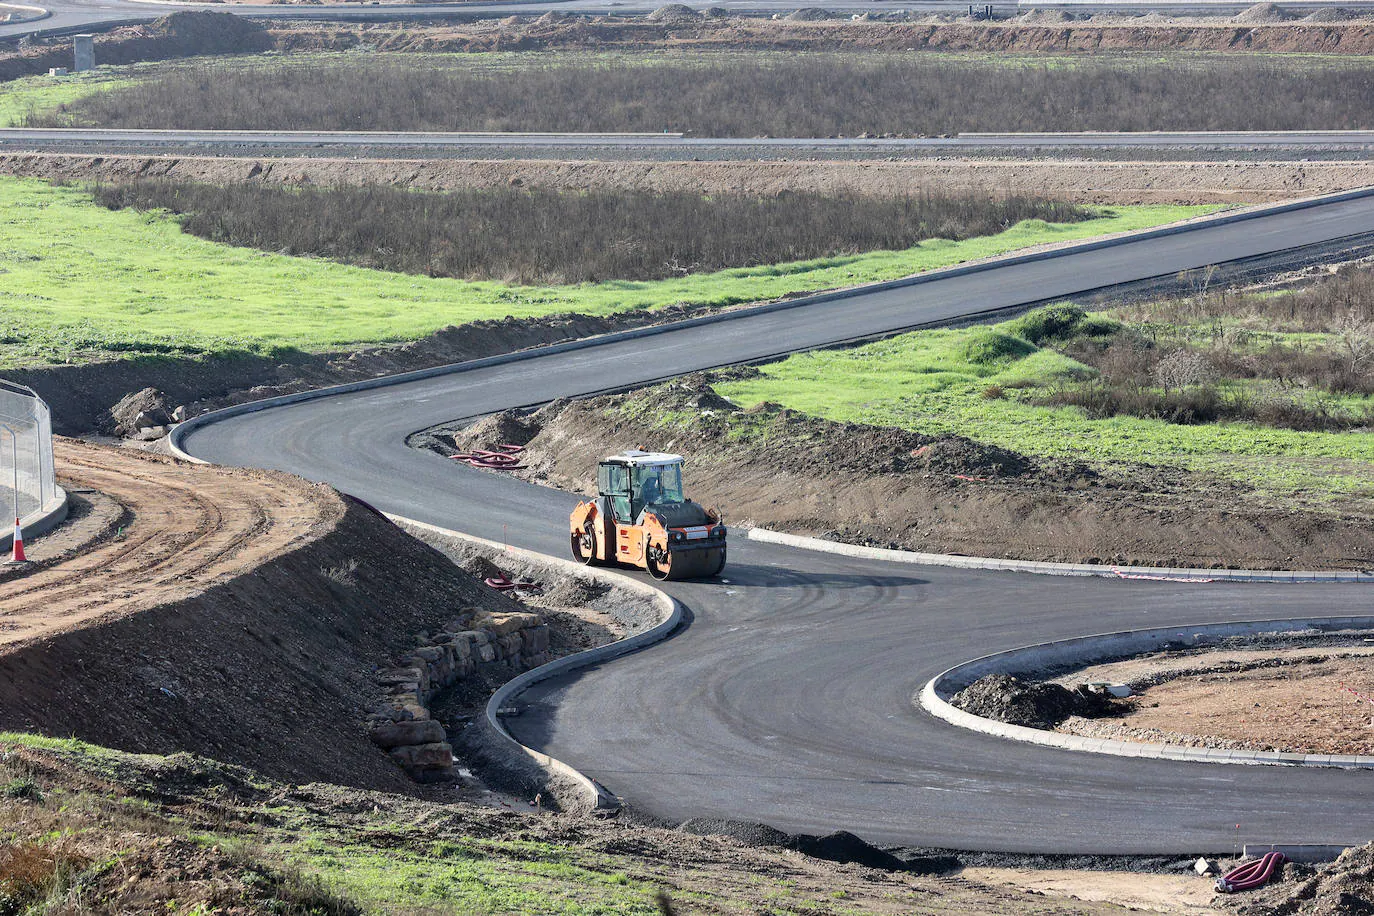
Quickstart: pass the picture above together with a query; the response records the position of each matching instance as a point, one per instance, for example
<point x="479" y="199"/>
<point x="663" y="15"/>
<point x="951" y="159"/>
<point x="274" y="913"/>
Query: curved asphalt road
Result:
<point x="788" y="698"/>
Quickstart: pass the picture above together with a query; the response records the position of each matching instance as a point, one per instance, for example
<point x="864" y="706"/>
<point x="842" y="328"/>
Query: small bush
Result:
<point x="22" y="789"/>
<point x="987" y="346"/>
<point x="1050" y="322"/>
<point x="993" y="393"/>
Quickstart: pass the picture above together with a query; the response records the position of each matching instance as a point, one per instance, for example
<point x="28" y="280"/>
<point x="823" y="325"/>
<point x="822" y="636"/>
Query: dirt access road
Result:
<point x="182" y="529"/>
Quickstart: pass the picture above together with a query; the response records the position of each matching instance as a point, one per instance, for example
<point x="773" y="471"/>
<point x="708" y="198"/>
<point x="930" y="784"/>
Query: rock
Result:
<point x="142" y="409"/>
<point x="151" y="434"/>
<point x="404" y="734"/>
<point x="486" y="653"/>
<point x="1202" y="867"/>
<point x="437" y="755"/>
<point x="535" y="640"/>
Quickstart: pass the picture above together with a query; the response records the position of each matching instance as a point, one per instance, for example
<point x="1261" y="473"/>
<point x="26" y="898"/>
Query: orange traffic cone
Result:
<point x="18" y="544"/>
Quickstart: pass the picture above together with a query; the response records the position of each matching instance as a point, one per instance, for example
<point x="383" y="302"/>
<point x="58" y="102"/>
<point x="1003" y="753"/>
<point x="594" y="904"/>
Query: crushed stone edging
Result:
<point x="1084" y="650"/>
<point x="1156" y="573"/>
<point x="598" y="796"/>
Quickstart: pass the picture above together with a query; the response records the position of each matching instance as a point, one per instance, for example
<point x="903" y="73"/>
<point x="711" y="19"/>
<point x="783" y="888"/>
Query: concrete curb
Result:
<point x="39" y="12"/>
<point x="40" y="521"/>
<point x="1154" y="573"/>
<point x="934" y="696"/>
<point x="180" y="431"/>
<point x="598" y="796"/>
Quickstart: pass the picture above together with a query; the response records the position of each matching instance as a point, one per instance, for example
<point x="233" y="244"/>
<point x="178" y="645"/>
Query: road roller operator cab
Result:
<point x="641" y="518"/>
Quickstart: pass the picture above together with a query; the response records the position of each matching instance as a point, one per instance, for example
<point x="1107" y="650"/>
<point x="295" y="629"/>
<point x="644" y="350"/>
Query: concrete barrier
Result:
<point x="765" y="536"/>
<point x="40" y="522"/>
<point x="1086" y="650"/>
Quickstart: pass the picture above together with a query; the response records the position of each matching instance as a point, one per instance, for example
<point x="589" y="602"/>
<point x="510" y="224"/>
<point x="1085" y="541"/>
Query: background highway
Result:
<point x="93" y="15"/>
<point x="788" y="698"/>
<point x="1196" y="144"/>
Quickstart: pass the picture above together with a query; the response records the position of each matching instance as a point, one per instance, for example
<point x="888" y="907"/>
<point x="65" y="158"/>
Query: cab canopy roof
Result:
<point x="635" y="458"/>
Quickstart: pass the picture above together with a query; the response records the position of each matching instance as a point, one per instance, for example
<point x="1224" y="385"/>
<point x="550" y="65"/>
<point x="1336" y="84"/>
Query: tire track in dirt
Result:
<point x="191" y="527"/>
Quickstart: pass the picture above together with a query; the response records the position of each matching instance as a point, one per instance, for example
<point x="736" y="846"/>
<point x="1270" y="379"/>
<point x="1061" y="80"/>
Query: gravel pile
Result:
<point x="1035" y="705"/>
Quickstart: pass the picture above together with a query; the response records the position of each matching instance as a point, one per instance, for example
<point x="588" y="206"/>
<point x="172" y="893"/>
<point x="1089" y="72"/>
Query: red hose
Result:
<point x="503" y="584"/>
<point x="1251" y="874"/>
<point x="506" y="459"/>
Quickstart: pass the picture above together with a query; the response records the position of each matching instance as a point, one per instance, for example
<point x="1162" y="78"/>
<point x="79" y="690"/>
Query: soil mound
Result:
<point x="808" y="14"/>
<point x="203" y="32"/>
<point x="1343" y="888"/>
<point x="673" y="12"/>
<point x="240" y="615"/>
<point x="1034" y="705"/>
<point x="1330" y="14"/>
<point x="1044" y="17"/>
<point x="843" y="846"/>
<point x="1260" y="14"/>
<point x="750" y="833"/>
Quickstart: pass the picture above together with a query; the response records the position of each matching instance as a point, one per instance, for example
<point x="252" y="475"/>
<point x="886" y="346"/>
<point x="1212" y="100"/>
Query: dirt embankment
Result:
<point x="238" y="614"/>
<point x="888" y="487"/>
<point x="933" y="33"/>
<point x="183" y="34"/>
<point x="1079" y="181"/>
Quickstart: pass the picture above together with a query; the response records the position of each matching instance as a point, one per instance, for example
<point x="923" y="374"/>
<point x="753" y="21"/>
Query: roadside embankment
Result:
<point x="238" y="614"/>
<point x="1075" y="180"/>
<point x="778" y="468"/>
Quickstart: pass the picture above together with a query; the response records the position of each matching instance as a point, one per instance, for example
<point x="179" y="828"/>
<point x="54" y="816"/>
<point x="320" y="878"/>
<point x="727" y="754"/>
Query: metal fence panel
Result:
<point x="26" y="462"/>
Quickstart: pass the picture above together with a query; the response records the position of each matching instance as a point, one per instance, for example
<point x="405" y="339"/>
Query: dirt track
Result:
<point x="1082" y="181"/>
<point x="187" y="528"/>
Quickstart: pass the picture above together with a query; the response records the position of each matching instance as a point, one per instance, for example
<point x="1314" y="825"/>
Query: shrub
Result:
<point x="799" y="95"/>
<point x="1050" y="322"/>
<point x="988" y="346"/>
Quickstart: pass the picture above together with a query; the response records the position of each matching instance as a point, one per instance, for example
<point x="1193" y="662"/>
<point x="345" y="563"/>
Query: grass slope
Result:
<point x="940" y="382"/>
<point x="81" y="282"/>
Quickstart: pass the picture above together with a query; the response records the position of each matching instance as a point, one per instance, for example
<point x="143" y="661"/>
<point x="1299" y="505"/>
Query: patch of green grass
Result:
<point x="32" y="95"/>
<point x="79" y="282"/>
<point x="495" y="877"/>
<point x="927" y="382"/>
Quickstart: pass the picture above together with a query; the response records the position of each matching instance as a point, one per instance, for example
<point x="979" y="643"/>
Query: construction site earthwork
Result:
<point x="582" y="457"/>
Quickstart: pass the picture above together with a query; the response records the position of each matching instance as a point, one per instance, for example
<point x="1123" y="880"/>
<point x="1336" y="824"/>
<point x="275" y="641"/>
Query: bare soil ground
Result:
<point x="182" y="531"/>
<point x="862" y="484"/>
<point x="933" y="33"/>
<point x="199" y="608"/>
<point x="1078" y="181"/>
<point x="1293" y="700"/>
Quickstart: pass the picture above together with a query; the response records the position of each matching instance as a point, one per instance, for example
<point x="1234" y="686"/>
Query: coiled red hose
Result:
<point x="1251" y="874"/>
<point x="507" y="458"/>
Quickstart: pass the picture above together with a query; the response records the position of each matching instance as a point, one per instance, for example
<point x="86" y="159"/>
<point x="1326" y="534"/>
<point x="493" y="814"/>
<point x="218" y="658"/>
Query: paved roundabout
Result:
<point x="787" y="697"/>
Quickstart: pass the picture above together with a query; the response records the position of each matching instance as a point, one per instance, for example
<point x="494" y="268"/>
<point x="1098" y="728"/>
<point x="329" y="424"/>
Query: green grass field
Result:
<point x="81" y="282"/>
<point x="933" y="382"/>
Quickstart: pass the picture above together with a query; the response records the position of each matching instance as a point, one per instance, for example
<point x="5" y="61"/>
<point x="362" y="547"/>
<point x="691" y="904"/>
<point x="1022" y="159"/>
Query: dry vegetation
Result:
<point x="807" y="95"/>
<point x="1301" y="359"/>
<point x="541" y="236"/>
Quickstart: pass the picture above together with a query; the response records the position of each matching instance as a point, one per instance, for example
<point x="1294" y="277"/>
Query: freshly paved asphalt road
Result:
<point x="665" y="145"/>
<point x="788" y="698"/>
<point x="69" y="16"/>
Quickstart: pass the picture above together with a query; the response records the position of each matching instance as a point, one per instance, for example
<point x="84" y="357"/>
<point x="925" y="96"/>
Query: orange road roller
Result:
<point x="640" y="518"/>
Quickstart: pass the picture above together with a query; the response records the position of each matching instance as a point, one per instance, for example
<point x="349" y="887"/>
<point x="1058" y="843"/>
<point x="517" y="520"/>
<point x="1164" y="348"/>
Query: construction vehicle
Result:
<point x="640" y="518"/>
